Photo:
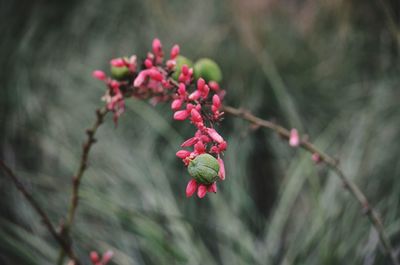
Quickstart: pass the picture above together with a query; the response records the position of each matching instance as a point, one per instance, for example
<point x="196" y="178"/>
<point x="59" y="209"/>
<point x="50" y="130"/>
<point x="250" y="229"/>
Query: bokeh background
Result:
<point x="328" y="68"/>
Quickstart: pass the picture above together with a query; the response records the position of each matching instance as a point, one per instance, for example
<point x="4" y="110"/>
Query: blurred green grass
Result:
<point x="329" y="68"/>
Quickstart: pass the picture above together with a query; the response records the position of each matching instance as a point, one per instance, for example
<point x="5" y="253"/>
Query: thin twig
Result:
<point x="36" y="206"/>
<point x="372" y="214"/>
<point x="86" y="147"/>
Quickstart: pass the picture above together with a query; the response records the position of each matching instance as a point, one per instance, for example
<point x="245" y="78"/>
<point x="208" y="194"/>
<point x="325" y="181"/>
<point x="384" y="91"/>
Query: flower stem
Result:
<point x="331" y="163"/>
<point x="36" y="206"/>
<point x="73" y="205"/>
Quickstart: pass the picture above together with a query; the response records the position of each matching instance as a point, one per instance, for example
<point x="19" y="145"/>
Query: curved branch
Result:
<point x="86" y="147"/>
<point x="366" y="207"/>
<point x="36" y="206"/>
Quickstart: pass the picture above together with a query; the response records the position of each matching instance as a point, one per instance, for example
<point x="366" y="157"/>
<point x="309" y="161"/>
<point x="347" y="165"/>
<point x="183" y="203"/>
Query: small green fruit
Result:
<point x="119" y="73"/>
<point x="204" y="169"/>
<point x="180" y="61"/>
<point x="208" y="70"/>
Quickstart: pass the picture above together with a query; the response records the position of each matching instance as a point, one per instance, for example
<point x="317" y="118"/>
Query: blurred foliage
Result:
<point x="329" y="68"/>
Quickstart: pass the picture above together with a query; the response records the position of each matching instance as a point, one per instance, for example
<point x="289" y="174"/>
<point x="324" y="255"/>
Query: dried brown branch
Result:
<point x="86" y="147"/>
<point x="36" y="206"/>
<point x="366" y="207"/>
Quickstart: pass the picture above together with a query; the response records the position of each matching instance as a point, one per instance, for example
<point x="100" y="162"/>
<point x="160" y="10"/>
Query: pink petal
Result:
<point x="183" y="154"/>
<point x="212" y="187"/>
<point x="117" y="62"/>
<point x="176" y="104"/>
<point x="199" y="147"/>
<point x="157" y="48"/>
<point x="206" y="90"/>
<point x="202" y="191"/>
<point x="191" y="188"/>
<point x="216" y="101"/>
<point x="316" y="158"/>
<point x="94" y="257"/>
<point x="222" y="146"/>
<point x="196" y="117"/>
<point x="221" y="172"/>
<point x="139" y="80"/>
<point x="99" y="75"/>
<point x="182" y="89"/>
<point x="214" y="135"/>
<point x="181" y="115"/>
<point x="174" y="51"/>
<point x="214" y="85"/>
<point x="195" y="95"/>
<point x="155" y="75"/>
<point x="200" y="84"/>
<point x="185" y="69"/>
<point x="107" y="257"/>
<point x="148" y="63"/>
<point x="294" y="139"/>
<point x="189" y="142"/>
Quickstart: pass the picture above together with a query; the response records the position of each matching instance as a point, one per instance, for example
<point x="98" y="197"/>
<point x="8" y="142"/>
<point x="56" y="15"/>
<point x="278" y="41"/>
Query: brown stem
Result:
<point x="36" y="206"/>
<point x="366" y="207"/>
<point x="86" y="147"/>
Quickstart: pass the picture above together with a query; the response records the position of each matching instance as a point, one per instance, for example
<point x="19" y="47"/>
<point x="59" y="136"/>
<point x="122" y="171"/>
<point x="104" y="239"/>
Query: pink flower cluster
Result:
<point x="95" y="258"/>
<point x="194" y="100"/>
<point x="201" y="108"/>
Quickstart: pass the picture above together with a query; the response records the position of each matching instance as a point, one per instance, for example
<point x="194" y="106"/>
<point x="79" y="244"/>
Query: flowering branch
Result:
<point x="36" y="206"/>
<point x="86" y="147"/>
<point x="319" y="156"/>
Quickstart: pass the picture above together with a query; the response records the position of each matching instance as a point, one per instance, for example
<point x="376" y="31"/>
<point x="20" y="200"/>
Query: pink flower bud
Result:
<point x="190" y="106"/>
<point x="206" y="90"/>
<point x="202" y="191"/>
<point x="216" y="101"/>
<point x="195" y="95"/>
<point x="222" y="146"/>
<point x="183" y="154"/>
<point x="214" y="149"/>
<point x="191" y="188"/>
<point x="107" y="257"/>
<point x="171" y="64"/>
<point x="196" y="117"/>
<point x="199" y="148"/>
<point x="118" y="62"/>
<point x="157" y="47"/>
<point x="155" y="75"/>
<point x="212" y="188"/>
<point x="114" y="85"/>
<point x="98" y="74"/>
<point x="214" y="135"/>
<point x="200" y="84"/>
<point x="176" y="104"/>
<point x="316" y="158"/>
<point x="205" y="139"/>
<point x="139" y="80"/>
<point x="148" y="63"/>
<point x="94" y="257"/>
<point x="185" y="69"/>
<point x="189" y="142"/>
<point x="294" y="139"/>
<point x="174" y="51"/>
<point x="213" y="85"/>
<point x="221" y="172"/>
<point x="181" y="115"/>
<point x="182" y="89"/>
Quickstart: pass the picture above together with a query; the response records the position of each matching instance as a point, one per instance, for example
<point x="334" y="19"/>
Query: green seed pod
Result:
<point x="180" y="61"/>
<point x="119" y="73"/>
<point x="207" y="69"/>
<point x="204" y="169"/>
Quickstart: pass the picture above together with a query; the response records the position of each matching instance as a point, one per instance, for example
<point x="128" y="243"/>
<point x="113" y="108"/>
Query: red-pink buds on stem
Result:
<point x="294" y="139"/>
<point x="99" y="75"/>
<point x="191" y="99"/>
<point x="95" y="258"/>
